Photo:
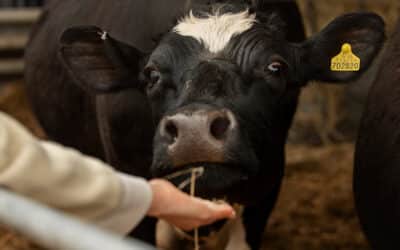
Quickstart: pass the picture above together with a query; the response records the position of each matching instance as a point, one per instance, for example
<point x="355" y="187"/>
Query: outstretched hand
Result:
<point x="182" y="210"/>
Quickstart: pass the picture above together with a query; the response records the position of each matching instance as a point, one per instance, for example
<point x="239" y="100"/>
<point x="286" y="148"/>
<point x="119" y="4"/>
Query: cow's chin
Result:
<point x="214" y="181"/>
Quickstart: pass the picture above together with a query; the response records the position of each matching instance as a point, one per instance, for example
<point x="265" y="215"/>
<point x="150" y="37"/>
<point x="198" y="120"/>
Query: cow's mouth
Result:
<point x="213" y="181"/>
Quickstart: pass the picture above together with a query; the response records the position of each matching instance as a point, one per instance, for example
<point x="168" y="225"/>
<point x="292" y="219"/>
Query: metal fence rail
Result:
<point x="55" y="230"/>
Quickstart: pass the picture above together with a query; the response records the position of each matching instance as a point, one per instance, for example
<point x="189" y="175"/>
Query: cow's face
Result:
<point x="223" y="99"/>
<point x="223" y="89"/>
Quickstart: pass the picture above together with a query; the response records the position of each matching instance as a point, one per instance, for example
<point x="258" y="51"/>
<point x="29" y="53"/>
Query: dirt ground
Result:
<point x="315" y="208"/>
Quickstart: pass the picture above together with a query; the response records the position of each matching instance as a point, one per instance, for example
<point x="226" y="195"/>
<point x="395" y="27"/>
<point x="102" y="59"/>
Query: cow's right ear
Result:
<point x="98" y="62"/>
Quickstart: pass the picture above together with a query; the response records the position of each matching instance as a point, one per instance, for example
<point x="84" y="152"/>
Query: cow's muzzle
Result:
<point x="199" y="136"/>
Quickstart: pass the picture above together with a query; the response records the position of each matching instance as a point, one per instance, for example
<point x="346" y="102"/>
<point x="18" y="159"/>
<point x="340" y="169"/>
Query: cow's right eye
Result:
<point x="153" y="76"/>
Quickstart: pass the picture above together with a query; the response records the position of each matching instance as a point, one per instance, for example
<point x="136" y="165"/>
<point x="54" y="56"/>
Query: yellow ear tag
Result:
<point x="345" y="60"/>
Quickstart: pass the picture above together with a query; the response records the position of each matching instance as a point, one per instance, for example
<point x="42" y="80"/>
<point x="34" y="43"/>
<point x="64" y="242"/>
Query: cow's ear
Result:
<point x="97" y="62"/>
<point x="365" y="32"/>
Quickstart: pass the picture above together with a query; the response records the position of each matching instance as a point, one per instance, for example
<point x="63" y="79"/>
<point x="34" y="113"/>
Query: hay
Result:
<point x="10" y="240"/>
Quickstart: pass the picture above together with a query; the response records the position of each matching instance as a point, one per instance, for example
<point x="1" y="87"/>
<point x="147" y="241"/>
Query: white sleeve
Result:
<point x="65" y="179"/>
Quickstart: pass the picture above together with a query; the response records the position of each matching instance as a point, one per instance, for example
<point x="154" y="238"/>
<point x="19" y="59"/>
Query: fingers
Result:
<point x="221" y="211"/>
<point x="213" y="211"/>
<point x="210" y="213"/>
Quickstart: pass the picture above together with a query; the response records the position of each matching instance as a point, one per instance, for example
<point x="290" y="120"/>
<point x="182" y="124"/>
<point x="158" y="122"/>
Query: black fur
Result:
<point x="377" y="161"/>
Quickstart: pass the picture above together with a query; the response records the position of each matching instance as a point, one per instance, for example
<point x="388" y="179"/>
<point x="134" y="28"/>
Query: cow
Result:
<point x="376" y="164"/>
<point x="158" y="87"/>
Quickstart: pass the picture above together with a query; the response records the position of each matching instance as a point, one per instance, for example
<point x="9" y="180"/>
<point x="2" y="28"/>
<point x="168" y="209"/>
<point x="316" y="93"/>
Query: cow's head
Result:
<point x="223" y="87"/>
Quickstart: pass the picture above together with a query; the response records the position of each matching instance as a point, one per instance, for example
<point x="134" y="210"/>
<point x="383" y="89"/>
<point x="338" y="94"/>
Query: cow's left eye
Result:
<point x="274" y="67"/>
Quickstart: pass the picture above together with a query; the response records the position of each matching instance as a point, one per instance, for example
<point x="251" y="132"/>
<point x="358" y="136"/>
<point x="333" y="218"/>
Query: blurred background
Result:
<point x="315" y="209"/>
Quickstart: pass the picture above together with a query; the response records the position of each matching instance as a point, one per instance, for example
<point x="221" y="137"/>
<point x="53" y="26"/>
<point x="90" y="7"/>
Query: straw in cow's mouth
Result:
<point x="193" y="174"/>
<point x="196" y="172"/>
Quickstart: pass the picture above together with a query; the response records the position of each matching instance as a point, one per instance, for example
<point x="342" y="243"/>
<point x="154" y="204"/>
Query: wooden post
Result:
<point x="15" y="25"/>
<point x="312" y="16"/>
<point x="362" y="5"/>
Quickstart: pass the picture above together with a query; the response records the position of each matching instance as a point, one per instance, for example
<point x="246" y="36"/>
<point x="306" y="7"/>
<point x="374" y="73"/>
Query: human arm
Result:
<point x="90" y="189"/>
<point x="65" y="179"/>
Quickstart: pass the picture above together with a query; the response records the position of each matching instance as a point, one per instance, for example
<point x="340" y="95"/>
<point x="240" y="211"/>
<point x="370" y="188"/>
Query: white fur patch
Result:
<point x="216" y="30"/>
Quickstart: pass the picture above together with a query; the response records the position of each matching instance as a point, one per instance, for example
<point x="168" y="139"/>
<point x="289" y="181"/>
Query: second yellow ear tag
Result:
<point x="345" y="60"/>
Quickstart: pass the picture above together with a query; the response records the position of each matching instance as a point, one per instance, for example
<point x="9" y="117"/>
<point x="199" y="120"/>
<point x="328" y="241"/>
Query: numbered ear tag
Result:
<point x="345" y="60"/>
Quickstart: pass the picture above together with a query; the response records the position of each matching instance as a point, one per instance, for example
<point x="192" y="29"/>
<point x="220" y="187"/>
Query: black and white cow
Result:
<point x="377" y="157"/>
<point x="217" y="89"/>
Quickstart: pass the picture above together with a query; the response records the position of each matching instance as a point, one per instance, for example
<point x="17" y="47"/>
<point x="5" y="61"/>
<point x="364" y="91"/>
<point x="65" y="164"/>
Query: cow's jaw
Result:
<point x="230" y="236"/>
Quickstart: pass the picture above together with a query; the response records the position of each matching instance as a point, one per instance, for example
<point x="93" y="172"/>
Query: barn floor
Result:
<point x="315" y="209"/>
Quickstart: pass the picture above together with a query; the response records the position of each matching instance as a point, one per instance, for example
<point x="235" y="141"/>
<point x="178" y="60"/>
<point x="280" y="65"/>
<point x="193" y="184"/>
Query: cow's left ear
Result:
<point x="365" y="32"/>
<point x="97" y="62"/>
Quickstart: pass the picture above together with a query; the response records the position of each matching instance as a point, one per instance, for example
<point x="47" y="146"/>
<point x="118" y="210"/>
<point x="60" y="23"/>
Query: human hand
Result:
<point x="182" y="210"/>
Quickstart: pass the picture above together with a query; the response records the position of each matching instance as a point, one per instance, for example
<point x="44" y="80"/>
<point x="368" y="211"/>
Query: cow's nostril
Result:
<point x="171" y="129"/>
<point x="219" y="126"/>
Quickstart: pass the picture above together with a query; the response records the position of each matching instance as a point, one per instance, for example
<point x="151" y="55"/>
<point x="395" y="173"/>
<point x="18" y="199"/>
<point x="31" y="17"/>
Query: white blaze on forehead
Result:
<point x="215" y="31"/>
